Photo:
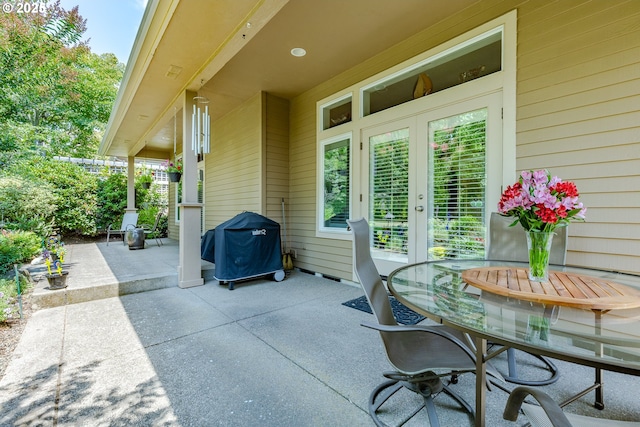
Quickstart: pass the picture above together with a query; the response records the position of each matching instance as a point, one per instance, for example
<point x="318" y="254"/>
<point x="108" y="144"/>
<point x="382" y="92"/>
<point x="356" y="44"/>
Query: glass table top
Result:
<point x="603" y="338"/>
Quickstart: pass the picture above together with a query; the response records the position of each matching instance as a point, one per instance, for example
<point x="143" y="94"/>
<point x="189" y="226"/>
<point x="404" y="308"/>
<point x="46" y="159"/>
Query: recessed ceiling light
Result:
<point x="298" y="51"/>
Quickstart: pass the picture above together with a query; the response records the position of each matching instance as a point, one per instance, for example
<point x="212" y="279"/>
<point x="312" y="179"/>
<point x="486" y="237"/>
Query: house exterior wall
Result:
<point x="233" y="168"/>
<point x="581" y="118"/>
<point x="248" y="166"/>
<point x="578" y="92"/>
<point x="247" y="169"/>
<point x="276" y="155"/>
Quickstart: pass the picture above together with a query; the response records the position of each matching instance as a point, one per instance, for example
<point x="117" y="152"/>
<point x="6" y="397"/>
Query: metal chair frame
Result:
<point x="414" y="351"/>
<point x="129" y="220"/>
<point x="549" y="413"/>
<point x="150" y="230"/>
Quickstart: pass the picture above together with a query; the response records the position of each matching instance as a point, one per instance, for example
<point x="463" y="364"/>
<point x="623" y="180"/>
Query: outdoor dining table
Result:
<point x="581" y="315"/>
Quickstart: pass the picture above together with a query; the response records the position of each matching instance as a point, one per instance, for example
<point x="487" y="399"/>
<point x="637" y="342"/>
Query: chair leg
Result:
<point x="387" y="389"/>
<point x="381" y="394"/>
<point x="460" y="400"/>
<point x="513" y="372"/>
<point x="431" y="411"/>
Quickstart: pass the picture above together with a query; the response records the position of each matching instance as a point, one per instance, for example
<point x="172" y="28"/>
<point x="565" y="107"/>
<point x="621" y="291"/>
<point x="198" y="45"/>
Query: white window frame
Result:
<point x="347" y="97"/>
<point x="505" y="81"/>
<point x="322" y="230"/>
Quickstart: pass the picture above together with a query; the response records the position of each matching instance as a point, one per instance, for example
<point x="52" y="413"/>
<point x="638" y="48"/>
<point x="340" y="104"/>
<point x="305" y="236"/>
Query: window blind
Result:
<point x="388" y="186"/>
<point x="457" y="184"/>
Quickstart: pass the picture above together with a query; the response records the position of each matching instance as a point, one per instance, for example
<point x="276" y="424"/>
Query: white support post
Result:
<point x="131" y="184"/>
<point x="189" y="270"/>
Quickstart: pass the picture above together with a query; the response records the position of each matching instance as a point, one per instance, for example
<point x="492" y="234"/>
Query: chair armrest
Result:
<point x="551" y="408"/>
<point x="442" y="331"/>
<point x="146" y="227"/>
<point x="432" y="329"/>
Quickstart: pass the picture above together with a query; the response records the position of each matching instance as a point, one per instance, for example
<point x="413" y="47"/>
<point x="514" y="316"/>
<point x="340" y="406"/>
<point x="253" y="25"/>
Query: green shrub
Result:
<point x="26" y="205"/>
<point x="74" y="188"/>
<point x="111" y="199"/>
<point x="9" y="305"/>
<point x="163" y="226"/>
<point x="17" y="247"/>
<point x="148" y="216"/>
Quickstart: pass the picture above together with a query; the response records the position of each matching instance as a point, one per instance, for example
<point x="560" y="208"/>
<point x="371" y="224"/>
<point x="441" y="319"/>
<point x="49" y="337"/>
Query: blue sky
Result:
<point x="112" y="25"/>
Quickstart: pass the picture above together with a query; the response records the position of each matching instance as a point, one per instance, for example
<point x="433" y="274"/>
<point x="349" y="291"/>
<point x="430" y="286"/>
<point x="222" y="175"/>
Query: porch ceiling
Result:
<point x="183" y="45"/>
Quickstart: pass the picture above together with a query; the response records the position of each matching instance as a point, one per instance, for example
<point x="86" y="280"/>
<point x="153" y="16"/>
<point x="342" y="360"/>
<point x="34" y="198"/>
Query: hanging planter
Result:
<point x="174" y="170"/>
<point x="174" y="176"/>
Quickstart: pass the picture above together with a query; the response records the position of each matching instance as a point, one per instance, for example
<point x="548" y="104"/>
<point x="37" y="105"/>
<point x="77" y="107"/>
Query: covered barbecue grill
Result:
<point x="246" y="246"/>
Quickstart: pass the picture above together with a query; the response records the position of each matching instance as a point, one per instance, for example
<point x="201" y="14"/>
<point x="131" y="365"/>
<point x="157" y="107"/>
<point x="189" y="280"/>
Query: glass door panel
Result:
<point x="457" y="185"/>
<point x="430" y="180"/>
<point x="387" y="153"/>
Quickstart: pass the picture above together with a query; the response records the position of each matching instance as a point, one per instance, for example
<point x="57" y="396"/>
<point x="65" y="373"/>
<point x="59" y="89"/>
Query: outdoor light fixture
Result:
<point x="200" y="126"/>
<point x="298" y="51"/>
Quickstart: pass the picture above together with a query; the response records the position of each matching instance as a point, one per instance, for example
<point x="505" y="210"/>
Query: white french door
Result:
<point x="430" y="180"/>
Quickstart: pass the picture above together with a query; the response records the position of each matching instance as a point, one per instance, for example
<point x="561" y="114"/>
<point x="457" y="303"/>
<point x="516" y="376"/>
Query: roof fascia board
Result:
<point x="154" y="22"/>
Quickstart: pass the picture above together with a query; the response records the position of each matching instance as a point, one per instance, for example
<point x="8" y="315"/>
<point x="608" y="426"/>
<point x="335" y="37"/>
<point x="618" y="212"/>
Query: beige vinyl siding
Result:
<point x="578" y="114"/>
<point x="173" y="229"/>
<point x="233" y="168"/>
<point x="327" y="256"/>
<point x="248" y="167"/>
<point x="276" y="156"/>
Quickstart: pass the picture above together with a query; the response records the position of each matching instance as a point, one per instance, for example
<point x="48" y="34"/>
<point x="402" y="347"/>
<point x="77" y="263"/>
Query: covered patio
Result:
<point x="268" y="353"/>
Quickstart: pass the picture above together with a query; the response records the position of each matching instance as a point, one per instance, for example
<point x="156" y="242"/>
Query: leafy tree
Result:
<point x="336" y="183"/>
<point x="55" y="95"/>
<point x="55" y="99"/>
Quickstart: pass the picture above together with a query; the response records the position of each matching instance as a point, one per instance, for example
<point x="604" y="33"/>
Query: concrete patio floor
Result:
<point x="124" y="345"/>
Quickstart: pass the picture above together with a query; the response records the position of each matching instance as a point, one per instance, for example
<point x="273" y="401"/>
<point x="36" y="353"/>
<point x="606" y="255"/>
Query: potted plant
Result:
<point x="54" y="253"/>
<point x="145" y="177"/>
<point x="174" y="169"/>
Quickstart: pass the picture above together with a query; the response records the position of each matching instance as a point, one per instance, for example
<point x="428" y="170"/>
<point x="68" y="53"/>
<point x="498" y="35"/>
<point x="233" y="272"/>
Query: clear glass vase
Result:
<point x="539" y="245"/>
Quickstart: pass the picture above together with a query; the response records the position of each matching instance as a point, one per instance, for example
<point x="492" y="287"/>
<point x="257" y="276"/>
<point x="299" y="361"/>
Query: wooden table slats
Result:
<point x="568" y="289"/>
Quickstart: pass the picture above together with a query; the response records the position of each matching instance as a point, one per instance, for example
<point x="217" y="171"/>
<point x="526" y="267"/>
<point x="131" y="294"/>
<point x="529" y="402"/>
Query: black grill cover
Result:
<point x="247" y="245"/>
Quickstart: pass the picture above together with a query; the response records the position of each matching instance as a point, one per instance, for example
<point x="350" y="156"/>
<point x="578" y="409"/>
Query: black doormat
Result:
<point x="402" y="313"/>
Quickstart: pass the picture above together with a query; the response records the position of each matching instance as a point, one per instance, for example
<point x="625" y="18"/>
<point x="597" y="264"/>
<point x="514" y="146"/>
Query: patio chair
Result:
<point x="510" y="244"/>
<point x="549" y="413"/>
<point x="129" y="220"/>
<point x="149" y="230"/>
<point x="415" y="352"/>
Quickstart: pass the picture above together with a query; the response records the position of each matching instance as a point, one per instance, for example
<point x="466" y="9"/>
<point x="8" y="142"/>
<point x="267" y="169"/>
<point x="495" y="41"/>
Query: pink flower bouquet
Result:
<point x="541" y="202"/>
